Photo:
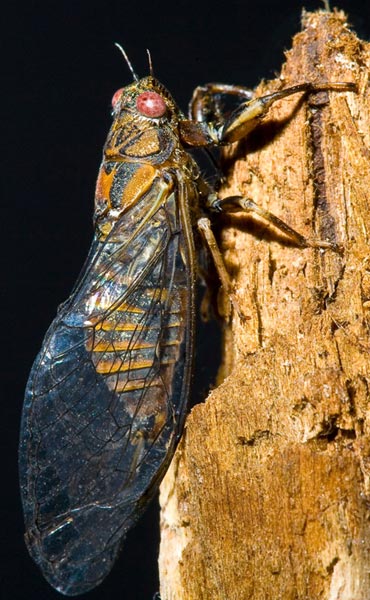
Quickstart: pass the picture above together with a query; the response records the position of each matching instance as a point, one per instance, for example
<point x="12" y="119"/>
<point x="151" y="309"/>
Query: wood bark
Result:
<point x="268" y="495"/>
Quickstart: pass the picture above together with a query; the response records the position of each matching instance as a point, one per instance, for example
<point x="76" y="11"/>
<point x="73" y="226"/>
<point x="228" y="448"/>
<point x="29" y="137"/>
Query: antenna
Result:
<point x="150" y="62"/>
<point x="127" y="61"/>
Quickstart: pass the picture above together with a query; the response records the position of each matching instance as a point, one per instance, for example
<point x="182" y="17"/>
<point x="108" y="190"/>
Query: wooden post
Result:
<point x="268" y="495"/>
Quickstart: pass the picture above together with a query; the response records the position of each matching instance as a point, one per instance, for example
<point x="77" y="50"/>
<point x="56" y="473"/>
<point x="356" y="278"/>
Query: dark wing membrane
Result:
<point x="106" y="396"/>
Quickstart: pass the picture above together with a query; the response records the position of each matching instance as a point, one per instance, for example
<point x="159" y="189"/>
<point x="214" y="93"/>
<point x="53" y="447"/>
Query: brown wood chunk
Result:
<point x="268" y="495"/>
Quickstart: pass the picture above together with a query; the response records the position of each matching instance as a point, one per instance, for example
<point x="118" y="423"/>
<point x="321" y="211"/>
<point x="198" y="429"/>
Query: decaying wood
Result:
<point x="268" y="496"/>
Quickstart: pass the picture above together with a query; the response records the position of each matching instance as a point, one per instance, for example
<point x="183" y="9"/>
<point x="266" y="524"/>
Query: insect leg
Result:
<point x="247" y="116"/>
<point x="205" y="99"/>
<point x="204" y="226"/>
<point x="234" y="204"/>
<point x="207" y="125"/>
<point x="240" y="203"/>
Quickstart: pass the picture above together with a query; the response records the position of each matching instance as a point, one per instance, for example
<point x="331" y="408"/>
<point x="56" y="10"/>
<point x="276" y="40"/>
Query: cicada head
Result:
<point x="145" y="123"/>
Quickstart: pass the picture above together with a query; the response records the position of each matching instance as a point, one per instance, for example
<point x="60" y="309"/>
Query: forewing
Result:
<point x="105" y="399"/>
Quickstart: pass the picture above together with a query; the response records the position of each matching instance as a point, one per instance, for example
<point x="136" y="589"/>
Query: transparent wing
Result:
<point x="106" y="396"/>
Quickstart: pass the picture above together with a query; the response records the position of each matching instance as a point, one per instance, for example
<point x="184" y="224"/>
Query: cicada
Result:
<point x="106" y="398"/>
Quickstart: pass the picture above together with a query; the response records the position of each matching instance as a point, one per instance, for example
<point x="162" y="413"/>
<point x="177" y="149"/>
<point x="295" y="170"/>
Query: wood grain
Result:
<point x="268" y="495"/>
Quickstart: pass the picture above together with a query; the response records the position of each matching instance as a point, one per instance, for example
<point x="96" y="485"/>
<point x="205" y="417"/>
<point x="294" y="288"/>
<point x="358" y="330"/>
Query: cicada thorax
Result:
<point x="140" y="151"/>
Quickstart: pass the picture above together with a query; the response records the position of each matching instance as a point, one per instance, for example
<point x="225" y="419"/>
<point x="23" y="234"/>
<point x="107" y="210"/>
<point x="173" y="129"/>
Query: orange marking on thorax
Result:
<point x="104" y="184"/>
<point x="140" y="182"/>
<point x="146" y="144"/>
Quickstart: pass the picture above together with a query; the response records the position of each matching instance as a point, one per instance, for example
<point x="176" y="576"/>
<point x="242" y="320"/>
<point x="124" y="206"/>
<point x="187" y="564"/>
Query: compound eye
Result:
<point x="151" y="104"/>
<point x="116" y="96"/>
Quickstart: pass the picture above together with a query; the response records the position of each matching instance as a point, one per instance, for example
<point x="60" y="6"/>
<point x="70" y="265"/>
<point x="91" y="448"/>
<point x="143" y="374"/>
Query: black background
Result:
<point x="60" y="71"/>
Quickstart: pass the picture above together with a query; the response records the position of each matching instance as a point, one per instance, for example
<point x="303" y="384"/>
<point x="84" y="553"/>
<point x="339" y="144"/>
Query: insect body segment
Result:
<point x="106" y="399"/>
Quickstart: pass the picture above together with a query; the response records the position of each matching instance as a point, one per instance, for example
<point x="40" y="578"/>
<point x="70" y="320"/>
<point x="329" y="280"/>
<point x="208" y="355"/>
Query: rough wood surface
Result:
<point x="268" y="496"/>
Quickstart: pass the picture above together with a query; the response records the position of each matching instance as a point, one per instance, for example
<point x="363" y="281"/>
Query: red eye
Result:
<point x="116" y="96"/>
<point x="151" y="104"/>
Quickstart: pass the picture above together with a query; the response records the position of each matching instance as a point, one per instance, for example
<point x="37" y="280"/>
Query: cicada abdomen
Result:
<point x="106" y="397"/>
